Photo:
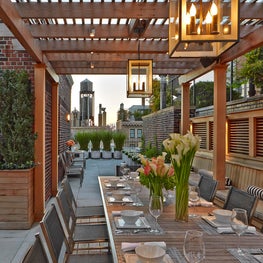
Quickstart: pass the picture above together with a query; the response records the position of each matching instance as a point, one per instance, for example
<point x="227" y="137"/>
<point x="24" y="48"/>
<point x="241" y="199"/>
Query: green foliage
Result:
<point x="202" y="95"/>
<point x="155" y="98"/>
<point x="151" y="151"/>
<point x="83" y="139"/>
<point x="138" y="114"/>
<point x="95" y="137"/>
<point x="252" y="68"/>
<point x="17" y="120"/>
<point x="119" y="139"/>
<point x="106" y="137"/>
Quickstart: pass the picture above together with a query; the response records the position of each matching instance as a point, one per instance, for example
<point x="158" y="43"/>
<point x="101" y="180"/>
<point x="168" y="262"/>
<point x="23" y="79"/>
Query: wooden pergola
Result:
<point x="58" y="36"/>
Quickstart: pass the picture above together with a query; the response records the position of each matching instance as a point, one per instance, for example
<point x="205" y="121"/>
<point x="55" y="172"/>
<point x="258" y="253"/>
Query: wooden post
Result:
<point x="219" y="151"/>
<point x="54" y="140"/>
<point x="39" y="177"/>
<point x="185" y="108"/>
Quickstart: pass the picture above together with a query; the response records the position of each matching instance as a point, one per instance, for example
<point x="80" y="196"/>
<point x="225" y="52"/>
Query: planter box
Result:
<point x="16" y="199"/>
<point x="117" y="154"/>
<point x="95" y="154"/>
<point x="106" y="154"/>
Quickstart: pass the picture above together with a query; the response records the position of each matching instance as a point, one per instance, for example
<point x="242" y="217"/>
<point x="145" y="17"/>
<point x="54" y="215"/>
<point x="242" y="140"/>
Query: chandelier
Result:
<point x="199" y="28"/>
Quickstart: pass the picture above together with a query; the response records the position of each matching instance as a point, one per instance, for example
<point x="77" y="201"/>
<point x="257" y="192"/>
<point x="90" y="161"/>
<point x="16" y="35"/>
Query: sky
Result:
<point x="110" y="91"/>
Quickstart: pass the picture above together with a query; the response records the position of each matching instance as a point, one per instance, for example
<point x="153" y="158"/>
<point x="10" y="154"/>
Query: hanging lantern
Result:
<point x="202" y="28"/>
<point x="139" y="78"/>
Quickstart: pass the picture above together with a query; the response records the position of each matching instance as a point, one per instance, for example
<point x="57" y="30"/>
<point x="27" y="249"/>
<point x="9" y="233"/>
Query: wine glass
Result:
<point x="137" y="187"/>
<point x="194" y="246"/>
<point x="155" y="209"/>
<point x="194" y="198"/>
<point x="239" y="223"/>
<point x="122" y="167"/>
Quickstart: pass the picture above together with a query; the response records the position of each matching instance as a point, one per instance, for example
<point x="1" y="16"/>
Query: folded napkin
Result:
<point x="118" y="213"/>
<point x="226" y="230"/>
<point x="202" y="202"/>
<point x="206" y="203"/>
<point x="126" y="246"/>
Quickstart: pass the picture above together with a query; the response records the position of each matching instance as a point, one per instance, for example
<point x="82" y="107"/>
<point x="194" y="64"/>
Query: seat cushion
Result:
<point x="254" y="190"/>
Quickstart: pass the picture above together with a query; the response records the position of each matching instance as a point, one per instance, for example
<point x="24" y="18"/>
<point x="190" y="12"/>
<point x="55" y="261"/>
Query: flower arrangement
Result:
<point x="70" y="143"/>
<point x="156" y="174"/>
<point x="182" y="149"/>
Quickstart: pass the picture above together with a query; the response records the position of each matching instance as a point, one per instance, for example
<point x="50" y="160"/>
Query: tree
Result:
<point x="155" y="98"/>
<point x="252" y="70"/>
<point x="202" y="94"/>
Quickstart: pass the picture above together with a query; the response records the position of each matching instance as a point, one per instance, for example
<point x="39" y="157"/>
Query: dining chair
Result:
<point x="58" y="243"/>
<point x="82" y="236"/>
<point x="207" y="186"/>
<point x="238" y="198"/>
<point x="37" y="252"/>
<point x="71" y="171"/>
<point x="75" y="161"/>
<point x="85" y="214"/>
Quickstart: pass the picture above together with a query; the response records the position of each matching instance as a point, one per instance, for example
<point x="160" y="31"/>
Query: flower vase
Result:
<point x="181" y="202"/>
<point x="156" y="190"/>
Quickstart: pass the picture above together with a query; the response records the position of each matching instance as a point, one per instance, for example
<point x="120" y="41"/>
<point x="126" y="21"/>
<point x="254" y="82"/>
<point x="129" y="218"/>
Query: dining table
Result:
<point x="220" y="246"/>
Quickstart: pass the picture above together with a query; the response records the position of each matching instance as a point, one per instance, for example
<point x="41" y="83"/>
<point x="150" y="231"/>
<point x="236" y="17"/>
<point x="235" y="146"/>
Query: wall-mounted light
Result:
<point x="139" y="78"/>
<point x="91" y="65"/>
<point x="92" y="32"/>
<point x="68" y="117"/>
<point x="202" y="28"/>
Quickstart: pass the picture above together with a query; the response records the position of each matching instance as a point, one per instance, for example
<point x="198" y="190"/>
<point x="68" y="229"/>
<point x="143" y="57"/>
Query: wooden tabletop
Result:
<point x="173" y="232"/>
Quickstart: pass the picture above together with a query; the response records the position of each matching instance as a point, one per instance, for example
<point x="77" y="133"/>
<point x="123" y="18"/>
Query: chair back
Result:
<point x="207" y="186"/>
<point x="54" y="234"/>
<point x="37" y="252"/>
<point x="70" y="196"/>
<point x="237" y="198"/>
<point x="68" y="216"/>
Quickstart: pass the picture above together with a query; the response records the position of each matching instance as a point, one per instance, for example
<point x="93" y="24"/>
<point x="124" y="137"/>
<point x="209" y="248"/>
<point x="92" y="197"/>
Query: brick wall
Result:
<point x="158" y="125"/>
<point x="14" y="59"/>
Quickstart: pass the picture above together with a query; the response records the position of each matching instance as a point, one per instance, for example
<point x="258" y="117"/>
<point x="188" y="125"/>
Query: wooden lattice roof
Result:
<point x="57" y="32"/>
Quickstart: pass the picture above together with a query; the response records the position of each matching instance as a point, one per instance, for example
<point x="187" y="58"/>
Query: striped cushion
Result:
<point x="254" y="190"/>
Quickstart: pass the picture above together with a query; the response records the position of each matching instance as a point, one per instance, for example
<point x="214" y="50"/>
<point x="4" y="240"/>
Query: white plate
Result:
<point x="213" y="222"/>
<point x="141" y="223"/>
<point x="125" y="199"/>
<point x="119" y="185"/>
<point x="132" y="258"/>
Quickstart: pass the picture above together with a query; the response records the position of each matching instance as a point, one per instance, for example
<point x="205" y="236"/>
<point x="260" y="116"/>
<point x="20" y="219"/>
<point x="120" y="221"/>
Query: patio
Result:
<point x="14" y="243"/>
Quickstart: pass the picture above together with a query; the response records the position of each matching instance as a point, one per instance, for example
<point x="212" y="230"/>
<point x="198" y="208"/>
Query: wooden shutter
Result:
<point x="239" y="136"/>
<point x="200" y="129"/>
<point x="259" y="137"/>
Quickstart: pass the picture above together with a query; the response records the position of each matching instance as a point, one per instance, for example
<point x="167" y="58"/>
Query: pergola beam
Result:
<point x="140" y="10"/>
<point x="106" y="46"/>
<point x="91" y="10"/>
<point x="13" y="21"/>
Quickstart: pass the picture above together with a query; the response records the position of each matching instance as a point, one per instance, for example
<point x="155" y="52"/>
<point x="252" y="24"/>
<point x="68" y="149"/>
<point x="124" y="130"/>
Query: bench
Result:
<point x="221" y="195"/>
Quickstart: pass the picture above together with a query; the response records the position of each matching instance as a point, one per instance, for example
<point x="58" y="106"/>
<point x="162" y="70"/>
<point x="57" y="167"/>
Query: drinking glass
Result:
<point x="194" y="198"/>
<point x="239" y="223"/>
<point x="122" y="167"/>
<point x="137" y="187"/>
<point x="194" y="246"/>
<point x="155" y="209"/>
